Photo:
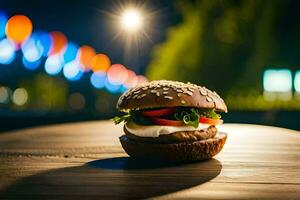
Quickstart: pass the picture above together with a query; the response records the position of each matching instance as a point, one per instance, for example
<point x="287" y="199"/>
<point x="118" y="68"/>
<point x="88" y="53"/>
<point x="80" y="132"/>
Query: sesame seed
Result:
<point x="179" y="94"/>
<point x="157" y="94"/>
<point x="188" y="93"/>
<point x="153" y="91"/>
<point x="144" y="88"/>
<point x="203" y="92"/>
<point x="183" y="102"/>
<point x="165" y="92"/>
<point x="168" y="97"/>
<point x="165" y="88"/>
<point x="190" y="89"/>
<point x="209" y="99"/>
<point x="136" y="92"/>
<point x="135" y="96"/>
<point x="179" y="90"/>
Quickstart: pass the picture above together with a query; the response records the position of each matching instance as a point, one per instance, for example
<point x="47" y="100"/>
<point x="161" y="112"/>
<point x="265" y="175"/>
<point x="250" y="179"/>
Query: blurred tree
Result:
<point x="225" y="45"/>
<point x="46" y="92"/>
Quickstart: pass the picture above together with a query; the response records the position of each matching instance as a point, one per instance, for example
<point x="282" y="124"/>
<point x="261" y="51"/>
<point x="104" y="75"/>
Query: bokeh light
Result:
<point x="76" y="101"/>
<point x="54" y="64"/>
<point x="72" y="70"/>
<point x="85" y="55"/>
<point x="31" y="65"/>
<point x="20" y="97"/>
<point x="131" y="80"/>
<point x="111" y="87"/>
<point x="45" y="40"/>
<point x="117" y="74"/>
<point x="3" y="21"/>
<point x="277" y="80"/>
<point x="32" y="50"/>
<point x="64" y="56"/>
<point x="59" y="42"/>
<point x="71" y="52"/>
<point x="18" y="28"/>
<point x="297" y="82"/>
<point x="98" y="79"/>
<point x="4" y="95"/>
<point x="142" y="79"/>
<point x="7" y="51"/>
<point x="123" y="89"/>
<point x="100" y="62"/>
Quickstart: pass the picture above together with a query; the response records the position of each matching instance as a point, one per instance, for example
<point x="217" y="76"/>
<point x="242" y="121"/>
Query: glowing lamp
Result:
<point x="277" y="80"/>
<point x="18" y="28"/>
<point x="131" y="20"/>
<point x="100" y="62"/>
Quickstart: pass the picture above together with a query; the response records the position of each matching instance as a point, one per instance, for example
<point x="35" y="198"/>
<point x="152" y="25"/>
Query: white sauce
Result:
<point x="156" y="130"/>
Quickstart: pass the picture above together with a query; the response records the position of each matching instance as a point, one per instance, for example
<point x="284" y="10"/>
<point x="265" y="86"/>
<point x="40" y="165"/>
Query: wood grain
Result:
<point x="86" y="161"/>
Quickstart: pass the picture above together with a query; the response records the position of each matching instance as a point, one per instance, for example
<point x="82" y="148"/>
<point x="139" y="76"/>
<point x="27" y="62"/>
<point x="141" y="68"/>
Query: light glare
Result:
<point x="131" y="20"/>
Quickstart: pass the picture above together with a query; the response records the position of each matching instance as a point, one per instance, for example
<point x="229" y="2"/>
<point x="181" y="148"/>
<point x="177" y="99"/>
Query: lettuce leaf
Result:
<point x="190" y="116"/>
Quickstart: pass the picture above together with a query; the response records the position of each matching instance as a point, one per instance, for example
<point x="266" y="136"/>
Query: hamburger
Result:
<point x="171" y="121"/>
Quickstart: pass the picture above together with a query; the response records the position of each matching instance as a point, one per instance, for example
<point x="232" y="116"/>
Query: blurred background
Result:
<point x="64" y="61"/>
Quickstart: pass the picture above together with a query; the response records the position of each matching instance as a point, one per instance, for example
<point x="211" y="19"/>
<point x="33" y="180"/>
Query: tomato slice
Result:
<point x="166" y="122"/>
<point x="158" y="112"/>
<point x="210" y="121"/>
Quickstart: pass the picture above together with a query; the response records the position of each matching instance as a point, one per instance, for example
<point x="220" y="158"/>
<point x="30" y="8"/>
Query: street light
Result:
<point x="131" y="20"/>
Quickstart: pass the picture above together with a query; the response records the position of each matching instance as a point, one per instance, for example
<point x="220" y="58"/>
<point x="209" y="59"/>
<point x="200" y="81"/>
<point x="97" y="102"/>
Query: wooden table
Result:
<point x="86" y="161"/>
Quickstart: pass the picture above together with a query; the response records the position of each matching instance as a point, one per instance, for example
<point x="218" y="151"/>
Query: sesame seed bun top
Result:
<point x="163" y="93"/>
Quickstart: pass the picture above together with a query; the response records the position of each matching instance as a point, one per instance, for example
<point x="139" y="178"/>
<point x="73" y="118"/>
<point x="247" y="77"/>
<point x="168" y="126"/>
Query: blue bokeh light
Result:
<point x="72" y="71"/>
<point x="112" y="88"/>
<point x="45" y="40"/>
<point x="123" y="88"/>
<point x="98" y="79"/>
<point x="54" y="64"/>
<point x="31" y="65"/>
<point x="3" y="21"/>
<point x="32" y="50"/>
<point x="71" y="52"/>
<point x="7" y="51"/>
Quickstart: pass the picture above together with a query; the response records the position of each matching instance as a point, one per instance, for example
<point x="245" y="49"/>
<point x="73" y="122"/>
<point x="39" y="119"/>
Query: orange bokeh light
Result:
<point x="18" y="28"/>
<point x="142" y="79"/>
<point x="58" y="43"/>
<point x="131" y="80"/>
<point x="100" y="62"/>
<point x="117" y="74"/>
<point x="85" y="56"/>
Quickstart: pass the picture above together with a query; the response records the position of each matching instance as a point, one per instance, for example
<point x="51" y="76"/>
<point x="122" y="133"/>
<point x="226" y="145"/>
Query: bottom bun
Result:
<point x="176" y="152"/>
